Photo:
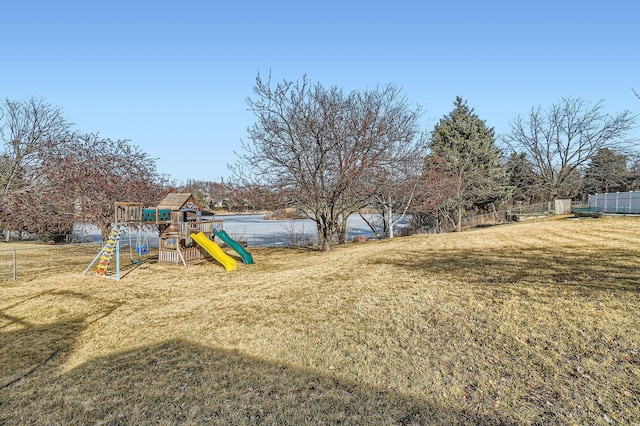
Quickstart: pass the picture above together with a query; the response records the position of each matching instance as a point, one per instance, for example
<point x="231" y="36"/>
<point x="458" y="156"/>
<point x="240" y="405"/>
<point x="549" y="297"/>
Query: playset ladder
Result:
<point x="106" y="254"/>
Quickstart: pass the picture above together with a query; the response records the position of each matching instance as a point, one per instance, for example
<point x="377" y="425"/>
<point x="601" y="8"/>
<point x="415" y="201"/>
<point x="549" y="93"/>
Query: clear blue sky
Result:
<point x="173" y="77"/>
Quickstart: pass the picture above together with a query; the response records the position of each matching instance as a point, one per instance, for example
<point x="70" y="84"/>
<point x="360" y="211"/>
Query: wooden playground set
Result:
<point x="185" y="236"/>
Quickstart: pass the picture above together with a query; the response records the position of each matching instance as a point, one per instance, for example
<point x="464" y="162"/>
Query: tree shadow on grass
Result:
<point x="26" y="351"/>
<point x="611" y="270"/>
<point x="27" y="348"/>
<point x="177" y="382"/>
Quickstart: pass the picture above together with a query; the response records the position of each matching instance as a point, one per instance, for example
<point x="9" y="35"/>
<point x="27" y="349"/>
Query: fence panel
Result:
<point x="619" y="202"/>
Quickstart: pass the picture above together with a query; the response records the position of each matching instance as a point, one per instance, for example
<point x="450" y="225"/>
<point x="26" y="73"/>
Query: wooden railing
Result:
<point x="195" y="227"/>
<point x="172" y="256"/>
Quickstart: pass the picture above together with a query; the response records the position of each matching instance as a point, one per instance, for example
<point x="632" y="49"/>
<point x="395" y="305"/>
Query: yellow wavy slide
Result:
<point x="214" y="250"/>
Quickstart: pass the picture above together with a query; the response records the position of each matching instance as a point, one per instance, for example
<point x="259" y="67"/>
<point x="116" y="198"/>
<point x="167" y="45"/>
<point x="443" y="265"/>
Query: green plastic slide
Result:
<point x="245" y="255"/>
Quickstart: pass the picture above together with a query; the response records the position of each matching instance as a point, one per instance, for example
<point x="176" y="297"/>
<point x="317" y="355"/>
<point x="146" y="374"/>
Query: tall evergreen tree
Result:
<point x="607" y="172"/>
<point x="524" y="181"/>
<point x="466" y="147"/>
<point x="634" y="172"/>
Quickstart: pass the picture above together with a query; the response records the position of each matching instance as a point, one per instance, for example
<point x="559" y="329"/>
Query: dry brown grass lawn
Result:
<point x="531" y="323"/>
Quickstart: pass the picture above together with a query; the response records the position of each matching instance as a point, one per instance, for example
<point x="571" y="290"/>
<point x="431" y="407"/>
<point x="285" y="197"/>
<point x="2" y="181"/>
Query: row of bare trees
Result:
<point x="331" y="154"/>
<point x="52" y="176"/>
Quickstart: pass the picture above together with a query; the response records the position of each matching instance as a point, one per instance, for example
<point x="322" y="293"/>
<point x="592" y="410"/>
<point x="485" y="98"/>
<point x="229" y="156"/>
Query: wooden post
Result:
<point x="180" y="254"/>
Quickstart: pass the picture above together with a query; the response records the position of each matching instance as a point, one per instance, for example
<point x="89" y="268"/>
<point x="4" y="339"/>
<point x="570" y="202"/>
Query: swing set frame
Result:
<point x="142" y="248"/>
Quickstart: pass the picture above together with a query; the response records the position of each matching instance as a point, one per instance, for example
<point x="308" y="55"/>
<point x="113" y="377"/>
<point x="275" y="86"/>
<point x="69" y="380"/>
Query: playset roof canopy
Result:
<point x="179" y="201"/>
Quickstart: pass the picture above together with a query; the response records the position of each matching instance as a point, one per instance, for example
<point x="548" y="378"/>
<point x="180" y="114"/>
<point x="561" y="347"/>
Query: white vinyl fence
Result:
<point x="619" y="202"/>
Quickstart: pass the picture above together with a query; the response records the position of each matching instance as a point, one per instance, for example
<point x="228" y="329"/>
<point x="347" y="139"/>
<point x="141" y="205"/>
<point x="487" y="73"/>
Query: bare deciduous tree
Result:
<point x="396" y="184"/>
<point x="437" y="185"/>
<point x="30" y="131"/>
<point x="51" y="177"/>
<point x="561" y="140"/>
<point x="320" y="145"/>
<point x="91" y="173"/>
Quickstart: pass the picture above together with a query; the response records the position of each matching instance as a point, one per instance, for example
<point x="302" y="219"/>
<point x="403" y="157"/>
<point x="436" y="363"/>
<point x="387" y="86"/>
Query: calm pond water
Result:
<point x="255" y="231"/>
